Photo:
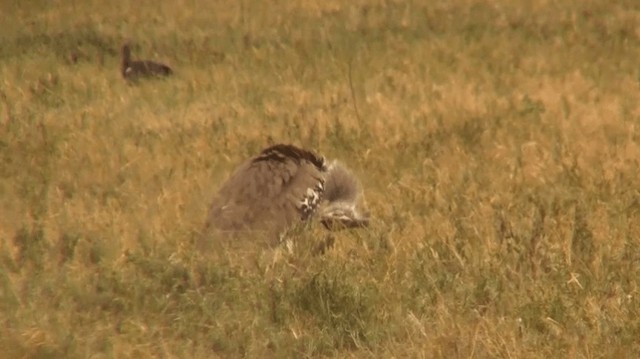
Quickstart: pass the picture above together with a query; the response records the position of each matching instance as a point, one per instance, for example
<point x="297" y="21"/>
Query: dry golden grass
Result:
<point x="497" y="142"/>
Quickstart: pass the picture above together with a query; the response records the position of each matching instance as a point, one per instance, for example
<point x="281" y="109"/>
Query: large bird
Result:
<point x="282" y="186"/>
<point x="133" y="70"/>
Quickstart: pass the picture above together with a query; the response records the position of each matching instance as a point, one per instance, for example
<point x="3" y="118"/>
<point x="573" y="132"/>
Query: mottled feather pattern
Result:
<point x="281" y="186"/>
<point x="311" y="200"/>
<point x="282" y="153"/>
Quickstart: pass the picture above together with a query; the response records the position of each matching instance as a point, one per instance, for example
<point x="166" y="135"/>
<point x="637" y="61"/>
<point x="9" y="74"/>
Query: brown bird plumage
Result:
<point x="135" y="69"/>
<point x="282" y="186"/>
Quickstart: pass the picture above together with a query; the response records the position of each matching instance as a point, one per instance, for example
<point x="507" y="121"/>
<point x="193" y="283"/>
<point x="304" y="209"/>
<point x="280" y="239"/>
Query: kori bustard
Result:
<point x="282" y="186"/>
<point x="133" y="70"/>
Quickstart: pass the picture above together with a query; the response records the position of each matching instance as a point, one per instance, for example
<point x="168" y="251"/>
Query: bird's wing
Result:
<point x="267" y="192"/>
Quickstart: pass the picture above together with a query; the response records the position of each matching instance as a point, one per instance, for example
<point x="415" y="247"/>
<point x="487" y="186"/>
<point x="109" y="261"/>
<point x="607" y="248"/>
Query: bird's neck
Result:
<point x="126" y="57"/>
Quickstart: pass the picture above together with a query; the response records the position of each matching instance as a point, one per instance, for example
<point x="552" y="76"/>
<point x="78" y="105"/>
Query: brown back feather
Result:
<point x="282" y="152"/>
<point x="266" y="192"/>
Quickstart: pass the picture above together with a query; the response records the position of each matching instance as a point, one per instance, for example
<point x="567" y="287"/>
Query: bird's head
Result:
<point x="340" y="215"/>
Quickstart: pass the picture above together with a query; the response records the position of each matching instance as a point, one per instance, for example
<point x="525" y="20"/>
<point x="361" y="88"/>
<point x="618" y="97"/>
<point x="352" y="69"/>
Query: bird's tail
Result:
<point x="342" y="199"/>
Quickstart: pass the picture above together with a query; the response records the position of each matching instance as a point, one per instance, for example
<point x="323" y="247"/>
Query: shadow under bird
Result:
<point x="135" y="69"/>
<point x="282" y="186"/>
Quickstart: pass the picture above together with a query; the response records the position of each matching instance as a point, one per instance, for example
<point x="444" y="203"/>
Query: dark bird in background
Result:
<point x="282" y="186"/>
<point x="133" y="70"/>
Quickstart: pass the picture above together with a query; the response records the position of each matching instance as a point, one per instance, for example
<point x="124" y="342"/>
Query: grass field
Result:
<point x="497" y="141"/>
